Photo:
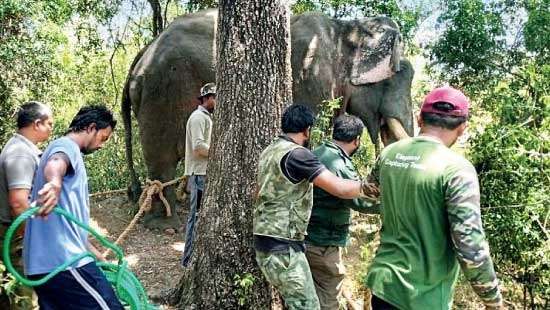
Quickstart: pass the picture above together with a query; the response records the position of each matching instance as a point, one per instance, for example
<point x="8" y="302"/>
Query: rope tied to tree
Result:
<point x="151" y="189"/>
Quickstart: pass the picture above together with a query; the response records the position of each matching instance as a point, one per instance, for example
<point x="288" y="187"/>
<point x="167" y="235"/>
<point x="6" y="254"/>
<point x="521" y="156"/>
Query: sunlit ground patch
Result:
<point x="132" y="260"/>
<point x="178" y="246"/>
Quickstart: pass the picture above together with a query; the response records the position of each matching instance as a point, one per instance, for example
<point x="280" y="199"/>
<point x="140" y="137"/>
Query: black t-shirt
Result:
<point x="300" y="164"/>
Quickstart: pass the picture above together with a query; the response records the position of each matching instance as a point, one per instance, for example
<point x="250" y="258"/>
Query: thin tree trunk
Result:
<point x="254" y="84"/>
<point x="157" y="23"/>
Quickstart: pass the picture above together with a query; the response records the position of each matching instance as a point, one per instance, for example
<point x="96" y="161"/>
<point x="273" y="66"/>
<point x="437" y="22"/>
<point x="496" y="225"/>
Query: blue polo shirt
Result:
<point x="49" y="243"/>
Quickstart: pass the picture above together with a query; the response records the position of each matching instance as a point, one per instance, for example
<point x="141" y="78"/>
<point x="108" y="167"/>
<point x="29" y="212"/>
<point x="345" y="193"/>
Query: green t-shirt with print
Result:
<point x="430" y="217"/>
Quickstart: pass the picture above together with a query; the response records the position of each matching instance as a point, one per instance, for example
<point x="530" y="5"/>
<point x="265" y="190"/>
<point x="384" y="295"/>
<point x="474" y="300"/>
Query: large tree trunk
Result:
<point x="254" y="84"/>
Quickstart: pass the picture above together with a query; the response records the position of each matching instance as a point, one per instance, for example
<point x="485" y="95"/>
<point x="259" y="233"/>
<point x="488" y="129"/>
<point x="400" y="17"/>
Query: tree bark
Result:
<point x="254" y="84"/>
<point x="157" y="23"/>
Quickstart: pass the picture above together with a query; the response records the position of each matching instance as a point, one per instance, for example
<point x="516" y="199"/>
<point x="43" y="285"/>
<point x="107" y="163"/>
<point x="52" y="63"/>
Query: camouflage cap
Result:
<point x="208" y="89"/>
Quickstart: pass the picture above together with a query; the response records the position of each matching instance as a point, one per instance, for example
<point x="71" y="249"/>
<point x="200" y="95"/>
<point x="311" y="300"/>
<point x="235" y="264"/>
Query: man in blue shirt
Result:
<point x="51" y="240"/>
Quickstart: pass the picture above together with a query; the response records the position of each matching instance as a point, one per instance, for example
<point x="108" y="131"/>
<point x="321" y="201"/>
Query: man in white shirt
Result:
<point x="197" y="144"/>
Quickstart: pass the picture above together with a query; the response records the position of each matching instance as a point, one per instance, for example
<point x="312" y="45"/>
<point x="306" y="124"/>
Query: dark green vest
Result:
<point x="331" y="216"/>
<point x="282" y="209"/>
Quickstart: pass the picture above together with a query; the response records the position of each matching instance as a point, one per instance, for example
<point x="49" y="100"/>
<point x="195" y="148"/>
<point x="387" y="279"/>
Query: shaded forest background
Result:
<point x="68" y="53"/>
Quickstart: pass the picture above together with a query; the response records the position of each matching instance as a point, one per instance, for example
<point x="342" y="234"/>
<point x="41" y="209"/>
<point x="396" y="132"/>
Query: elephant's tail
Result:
<point x="126" y="108"/>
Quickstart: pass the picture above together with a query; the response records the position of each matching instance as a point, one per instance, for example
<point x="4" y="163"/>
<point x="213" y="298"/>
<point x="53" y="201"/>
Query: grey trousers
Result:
<point x="196" y="187"/>
<point x="328" y="273"/>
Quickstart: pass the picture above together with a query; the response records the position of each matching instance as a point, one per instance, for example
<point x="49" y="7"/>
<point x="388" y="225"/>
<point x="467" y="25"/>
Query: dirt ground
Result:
<point x="154" y="256"/>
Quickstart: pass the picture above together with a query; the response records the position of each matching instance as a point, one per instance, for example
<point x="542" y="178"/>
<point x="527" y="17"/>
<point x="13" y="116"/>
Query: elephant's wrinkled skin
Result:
<point x="358" y="60"/>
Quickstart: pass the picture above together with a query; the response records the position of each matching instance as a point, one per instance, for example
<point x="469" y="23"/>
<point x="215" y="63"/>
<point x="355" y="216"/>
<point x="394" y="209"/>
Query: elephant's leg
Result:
<point x="157" y="218"/>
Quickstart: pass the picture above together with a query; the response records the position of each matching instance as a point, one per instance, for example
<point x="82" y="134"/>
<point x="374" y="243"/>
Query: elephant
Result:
<point x="358" y="60"/>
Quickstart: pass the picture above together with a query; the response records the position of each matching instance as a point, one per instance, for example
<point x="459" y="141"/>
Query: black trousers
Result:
<point x="83" y="288"/>
<point x="379" y="304"/>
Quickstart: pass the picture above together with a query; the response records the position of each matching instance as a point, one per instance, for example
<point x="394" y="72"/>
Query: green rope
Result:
<point x="127" y="286"/>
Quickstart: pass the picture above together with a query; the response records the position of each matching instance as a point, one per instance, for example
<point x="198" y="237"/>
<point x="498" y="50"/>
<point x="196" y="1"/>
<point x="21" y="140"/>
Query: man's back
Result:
<point x="331" y="216"/>
<point x="415" y="266"/>
<point x="51" y="242"/>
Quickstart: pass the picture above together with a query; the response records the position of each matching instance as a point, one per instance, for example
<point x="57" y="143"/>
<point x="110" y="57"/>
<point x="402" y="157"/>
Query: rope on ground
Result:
<point x="151" y="188"/>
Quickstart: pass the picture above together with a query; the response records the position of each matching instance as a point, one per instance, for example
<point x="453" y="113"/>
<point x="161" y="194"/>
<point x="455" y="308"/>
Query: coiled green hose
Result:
<point x="127" y="286"/>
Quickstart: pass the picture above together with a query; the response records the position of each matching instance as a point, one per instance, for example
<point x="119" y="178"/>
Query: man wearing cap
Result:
<point x="431" y="216"/>
<point x="197" y="145"/>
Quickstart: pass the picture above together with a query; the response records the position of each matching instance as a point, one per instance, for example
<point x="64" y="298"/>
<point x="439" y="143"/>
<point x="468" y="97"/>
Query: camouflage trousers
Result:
<point x="289" y="273"/>
<point x="18" y="296"/>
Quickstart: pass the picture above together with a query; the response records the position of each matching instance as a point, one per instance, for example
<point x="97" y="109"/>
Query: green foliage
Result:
<point x="512" y="157"/>
<point x="536" y="29"/>
<point x="303" y="6"/>
<point x="197" y="5"/>
<point x="469" y="49"/>
<point x="322" y="129"/>
<point x="10" y="287"/>
<point x="243" y="284"/>
<point x="30" y="34"/>
<point x="509" y="87"/>
<point x="52" y="51"/>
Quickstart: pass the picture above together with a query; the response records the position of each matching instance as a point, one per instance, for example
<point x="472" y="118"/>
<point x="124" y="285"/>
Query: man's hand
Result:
<point x="48" y="197"/>
<point x="369" y="190"/>
<point x="98" y="256"/>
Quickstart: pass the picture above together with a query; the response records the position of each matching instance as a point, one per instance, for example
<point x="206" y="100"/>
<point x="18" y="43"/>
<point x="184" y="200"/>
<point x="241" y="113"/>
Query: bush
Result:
<point x="512" y="158"/>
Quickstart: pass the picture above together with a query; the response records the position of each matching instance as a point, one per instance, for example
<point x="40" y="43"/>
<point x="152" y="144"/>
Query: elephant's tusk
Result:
<point x="396" y="128"/>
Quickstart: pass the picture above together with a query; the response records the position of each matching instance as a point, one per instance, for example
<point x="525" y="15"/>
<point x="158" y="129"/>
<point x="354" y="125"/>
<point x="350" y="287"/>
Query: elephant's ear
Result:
<point x="377" y="57"/>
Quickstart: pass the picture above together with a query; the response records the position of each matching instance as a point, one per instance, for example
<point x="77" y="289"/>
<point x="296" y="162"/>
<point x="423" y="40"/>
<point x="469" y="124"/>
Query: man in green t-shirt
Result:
<point x="431" y="216"/>
<point x="287" y="171"/>
<point x="328" y="229"/>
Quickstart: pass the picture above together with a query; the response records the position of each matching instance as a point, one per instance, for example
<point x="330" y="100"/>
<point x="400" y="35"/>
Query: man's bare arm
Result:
<point x="54" y="171"/>
<point x="342" y="188"/>
<point x="19" y="200"/>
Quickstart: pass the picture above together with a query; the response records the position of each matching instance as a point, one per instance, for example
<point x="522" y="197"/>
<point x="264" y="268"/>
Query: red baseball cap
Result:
<point x="448" y="95"/>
